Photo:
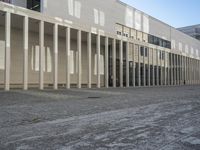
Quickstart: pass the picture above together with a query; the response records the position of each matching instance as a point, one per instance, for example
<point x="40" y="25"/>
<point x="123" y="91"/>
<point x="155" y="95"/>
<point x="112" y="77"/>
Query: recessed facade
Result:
<point x="88" y="43"/>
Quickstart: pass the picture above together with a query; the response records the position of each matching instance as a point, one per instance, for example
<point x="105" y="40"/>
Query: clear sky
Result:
<point x="177" y="13"/>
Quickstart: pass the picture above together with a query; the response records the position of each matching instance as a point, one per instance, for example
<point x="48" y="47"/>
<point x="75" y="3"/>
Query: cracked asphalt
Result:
<point x="156" y="118"/>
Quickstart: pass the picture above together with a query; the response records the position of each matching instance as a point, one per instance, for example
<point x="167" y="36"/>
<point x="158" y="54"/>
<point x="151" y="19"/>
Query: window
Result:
<point x="33" y="5"/>
<point x="146" y="52"/>
<point x="142" y="51"/>
<point x="163" y="55"/>
<point x="158" y="41"/>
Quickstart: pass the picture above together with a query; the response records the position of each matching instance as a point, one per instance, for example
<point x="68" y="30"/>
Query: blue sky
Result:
<point x="177" y="13"/>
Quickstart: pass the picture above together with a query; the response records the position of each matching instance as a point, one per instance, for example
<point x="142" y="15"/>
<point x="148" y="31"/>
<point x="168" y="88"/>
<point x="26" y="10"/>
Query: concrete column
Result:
<point x="168" y="70"/>
<point x="172" y="70"/>
<point x="188" y="67"/>
<point x="144" y="68"/>
<point x="153" y="71"/>
<point x="55" y="47"/>
<point x="157" y="68"/>
<point x="25" y="43"/>
<point x="185" y="69"/>
<point x="98" y="60"/>
<point x="161" y="69"/>
<point x="121" y="62"/>
<point x="149" y="73"/>
<point x="198" y="69"/>
<point x="89" y="48"/>
<point x="106" y="61"/>
<point x="133" y="65"/>
<point x="189" y="70"/>
<point x="7" y="51"/>
<point x="165" y="69"/>
<point x="139" y="76"/>
<point x="183" y="74"/>
<point x="177" y="69"/>
<point x="79" y="42"/>
<point x="127" y="64"/>
<point x="194" y="71"/>
<point x="181" y="70"/>
<point x="68" y="47"/>
<point x="114" y="62"/>
<point x="41" y="41"/>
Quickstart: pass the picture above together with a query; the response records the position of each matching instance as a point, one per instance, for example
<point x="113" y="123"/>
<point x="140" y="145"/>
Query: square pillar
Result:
<point x="149" y="67"/>
<point x="198" y="69"/>
<point x="79" y="59"/>
<point x="68" y="47"/>
<point x="127" y="64"/>
<point x="7" y="50"/>
<point x="89" y="48"/>
<point x="144" y="68"/>
<point x="157" y="68"/>
<point x="41" y="43"/>
<point x="165" y="69"/>
<point x="133" y="65"/>
<point x="161" y="69"/>
<point x="114" y="62"/>
<point x="55" y="47"/>
<point x="25" y="44"/>
<point x="177" y="70"/>
<point x="175" y="77"/>
<point x="121" y="62"/>
<point x="153" y="69"/>
<point x="172" y="70"/>
<point x="98" y="60"/>
<point x="139" y="75"/>
<point x="185" y="69"/>
<point x="106" y="61"/>
<point x="168" y="70"/>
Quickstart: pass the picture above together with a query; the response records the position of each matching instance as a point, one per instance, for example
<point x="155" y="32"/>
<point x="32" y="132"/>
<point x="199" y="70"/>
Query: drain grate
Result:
<point x="94" y="97"/>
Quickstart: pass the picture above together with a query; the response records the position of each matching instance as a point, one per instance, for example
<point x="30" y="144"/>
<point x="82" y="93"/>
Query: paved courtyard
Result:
<point x="159" y="118"/>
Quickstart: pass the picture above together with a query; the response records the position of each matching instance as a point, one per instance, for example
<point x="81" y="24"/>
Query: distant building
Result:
<point x="193" y="31"/>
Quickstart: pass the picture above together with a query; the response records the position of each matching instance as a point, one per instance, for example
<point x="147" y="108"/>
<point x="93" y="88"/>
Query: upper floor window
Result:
<point x="158" y="41"/>
<point x="34" y="5"/>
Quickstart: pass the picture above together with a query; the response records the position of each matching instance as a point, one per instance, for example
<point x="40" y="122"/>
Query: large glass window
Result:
<point x="34" y="5"/>
<point x="158" y="41"/>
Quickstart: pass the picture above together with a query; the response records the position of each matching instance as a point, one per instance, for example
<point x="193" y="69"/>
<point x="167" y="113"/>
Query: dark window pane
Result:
<point x="33" y="5"/>
<point x="142" y="51"/>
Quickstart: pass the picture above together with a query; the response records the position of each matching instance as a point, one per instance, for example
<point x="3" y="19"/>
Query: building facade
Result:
<point x="193" y="31"/>
<point x="91" y="43"/>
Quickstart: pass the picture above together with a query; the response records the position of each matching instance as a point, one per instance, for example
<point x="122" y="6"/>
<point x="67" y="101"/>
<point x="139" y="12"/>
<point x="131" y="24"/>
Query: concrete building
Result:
<point x="193" y="31"/>
<point x="88" y="43"/>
